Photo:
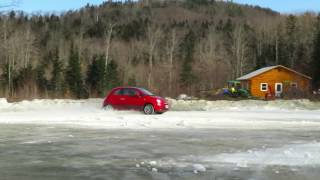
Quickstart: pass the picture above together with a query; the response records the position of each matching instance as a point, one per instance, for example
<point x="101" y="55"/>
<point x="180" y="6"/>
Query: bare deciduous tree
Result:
<point x="9" y="62"/>
<point x="109" y="32"/>
<point x="239" y="51"/>
<point x="210" y="58"/>
<point x="5" y="48"/>
<point x="154" y="34"/>
<point x="172" y="44"/>
<point x="28" y="44"/>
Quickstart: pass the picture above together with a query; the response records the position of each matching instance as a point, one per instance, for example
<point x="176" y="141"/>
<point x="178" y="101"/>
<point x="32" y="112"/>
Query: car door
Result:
<point x="117" y="99"/>
<point x="135" y="99"/>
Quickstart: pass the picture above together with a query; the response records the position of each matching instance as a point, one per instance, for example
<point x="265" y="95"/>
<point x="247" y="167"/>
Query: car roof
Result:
<point x="127" y="87"/>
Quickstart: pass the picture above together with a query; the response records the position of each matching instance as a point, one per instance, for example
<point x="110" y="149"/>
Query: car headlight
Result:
<point x="159" y="102"/>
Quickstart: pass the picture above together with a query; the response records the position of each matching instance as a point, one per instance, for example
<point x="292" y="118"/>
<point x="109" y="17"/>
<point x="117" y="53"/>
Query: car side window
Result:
<point x="133" y="92"/>
<point x="126" y="92"/>
<point x="129" y="92"/>
<point x="118" y="92"/>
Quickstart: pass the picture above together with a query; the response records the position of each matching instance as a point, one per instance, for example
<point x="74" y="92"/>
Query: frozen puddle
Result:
<point x="289" y="155"/>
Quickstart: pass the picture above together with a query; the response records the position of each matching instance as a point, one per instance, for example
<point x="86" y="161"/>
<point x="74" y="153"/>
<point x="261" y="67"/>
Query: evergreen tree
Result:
<point x="195" y="3"/>
<point x="112" y="76"/>
<point x="291" y="28"/>
<point x="24" y="82"/>
<point x="187" y="77"/>
<point x="56" y="81"/>
<point x="96" y="75"/>
<point x="291" y="25"/>
<point x="316" y="61"/>
<point x="6" y="77"/>
<point x="41" y="80"/>
<point x="73" y="75"/>
<point x="283" y="53"/>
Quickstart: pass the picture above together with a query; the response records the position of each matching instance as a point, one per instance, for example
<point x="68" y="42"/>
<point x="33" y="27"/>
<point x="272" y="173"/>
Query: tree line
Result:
<point x="169" y="47"/>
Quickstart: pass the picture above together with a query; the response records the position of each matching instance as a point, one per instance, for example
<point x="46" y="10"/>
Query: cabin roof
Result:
<point x="263" y="70"/>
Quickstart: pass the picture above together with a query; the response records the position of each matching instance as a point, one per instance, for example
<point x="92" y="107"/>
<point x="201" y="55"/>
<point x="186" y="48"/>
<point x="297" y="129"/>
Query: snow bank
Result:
<point x="43" y="104"/>
<point x="4" y="103"/>
<point x="203" y="105"/>
<point x="175" y="105"/>
<point x="185" y="114"/>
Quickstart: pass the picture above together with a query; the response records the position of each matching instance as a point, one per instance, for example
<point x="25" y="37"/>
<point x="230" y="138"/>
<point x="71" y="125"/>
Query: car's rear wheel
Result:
<point x="148" y="109"/>
<point x="108" y="107"/>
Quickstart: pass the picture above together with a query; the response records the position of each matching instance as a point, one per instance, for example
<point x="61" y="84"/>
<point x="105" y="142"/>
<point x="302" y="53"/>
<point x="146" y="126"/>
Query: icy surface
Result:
<point x="38" y="152"/>
<point x="77" y="139"/>
<point x="199" y="168"/>
<point x="289" y="155"/>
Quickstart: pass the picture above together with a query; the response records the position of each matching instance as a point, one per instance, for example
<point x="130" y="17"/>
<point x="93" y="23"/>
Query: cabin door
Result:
<point x="278" y="89"/>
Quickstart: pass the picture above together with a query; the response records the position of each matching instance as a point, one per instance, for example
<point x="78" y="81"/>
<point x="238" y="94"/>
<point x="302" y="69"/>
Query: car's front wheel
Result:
<point x="148" y="109"/>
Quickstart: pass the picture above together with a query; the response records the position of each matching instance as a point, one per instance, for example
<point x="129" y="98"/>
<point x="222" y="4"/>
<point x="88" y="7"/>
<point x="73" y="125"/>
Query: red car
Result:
<point x="133" y="98"/>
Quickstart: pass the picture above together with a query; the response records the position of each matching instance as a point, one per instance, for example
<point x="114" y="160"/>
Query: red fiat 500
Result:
<point x="133" y="98"/>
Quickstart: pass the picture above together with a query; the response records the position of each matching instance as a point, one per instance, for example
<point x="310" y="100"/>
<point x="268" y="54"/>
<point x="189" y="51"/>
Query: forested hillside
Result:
<point x="170" y="47"/>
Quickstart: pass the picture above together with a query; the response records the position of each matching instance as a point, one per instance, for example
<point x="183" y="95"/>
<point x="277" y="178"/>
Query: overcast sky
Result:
<point x="284" y="6"/>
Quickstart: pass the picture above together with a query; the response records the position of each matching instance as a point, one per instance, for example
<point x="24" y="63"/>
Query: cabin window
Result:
<point x="294" y="84"/>
<point x="264" y="87"/>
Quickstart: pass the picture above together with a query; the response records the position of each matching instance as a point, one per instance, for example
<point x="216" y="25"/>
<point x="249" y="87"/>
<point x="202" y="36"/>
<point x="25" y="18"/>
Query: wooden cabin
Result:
<point x="275" y="80"/>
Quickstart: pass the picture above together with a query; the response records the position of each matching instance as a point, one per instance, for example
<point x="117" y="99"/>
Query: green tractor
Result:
<point x="234" y="90"/>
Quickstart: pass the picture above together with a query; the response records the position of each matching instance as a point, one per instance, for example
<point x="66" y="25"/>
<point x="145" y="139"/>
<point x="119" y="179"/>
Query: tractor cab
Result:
<point x="234" y="89"/>
<point x="234" y="84"/>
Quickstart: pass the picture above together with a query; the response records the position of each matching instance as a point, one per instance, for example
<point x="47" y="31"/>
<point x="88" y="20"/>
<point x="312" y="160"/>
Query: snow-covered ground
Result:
<point x="184" y="114"/>
<point x="244" y="139"/>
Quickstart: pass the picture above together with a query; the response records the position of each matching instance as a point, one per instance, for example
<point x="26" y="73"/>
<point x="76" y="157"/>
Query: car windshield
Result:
<point x="145" y="92"/>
